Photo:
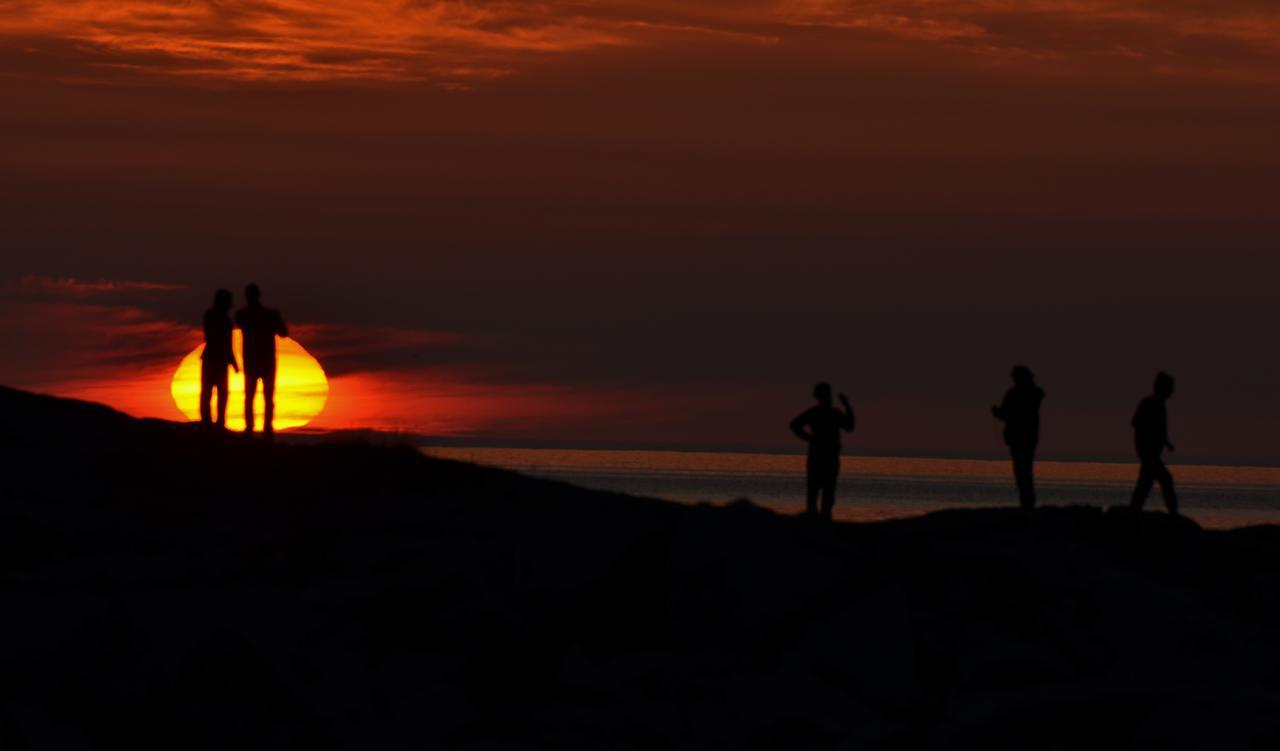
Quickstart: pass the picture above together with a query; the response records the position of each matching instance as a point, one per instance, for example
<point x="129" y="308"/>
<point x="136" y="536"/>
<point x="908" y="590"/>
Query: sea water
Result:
<point x="874" y="488"/>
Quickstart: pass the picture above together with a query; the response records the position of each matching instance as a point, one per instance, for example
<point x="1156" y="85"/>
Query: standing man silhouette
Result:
<point x="216" y="357"/>
<point x="260" y="326"/>
<point x="1020" y="413"/>
<point x="820" y="426"/>
<point x="1151" y="438"/>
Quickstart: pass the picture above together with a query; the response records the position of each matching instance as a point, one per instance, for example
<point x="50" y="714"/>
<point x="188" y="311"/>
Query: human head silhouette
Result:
<point x="252" y="294"/>
<point x="1164" y="385"/>
<point x="822" y="392"/>
<point x="1022" y="375"/>
<point x="222" y="299"/>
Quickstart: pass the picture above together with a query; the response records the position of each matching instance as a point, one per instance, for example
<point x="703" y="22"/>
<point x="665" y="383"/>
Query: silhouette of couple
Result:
<point x="820" y="427"/>
<point x="259" y="326"/>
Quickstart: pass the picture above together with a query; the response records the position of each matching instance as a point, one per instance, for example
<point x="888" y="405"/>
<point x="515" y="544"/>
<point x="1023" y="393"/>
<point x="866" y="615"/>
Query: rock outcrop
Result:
<point x="163" y="587"/>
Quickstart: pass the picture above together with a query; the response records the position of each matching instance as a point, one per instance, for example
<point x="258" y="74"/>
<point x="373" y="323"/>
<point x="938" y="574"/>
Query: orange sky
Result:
<point x="457" y="43"/>
<point x="659" y="222"/>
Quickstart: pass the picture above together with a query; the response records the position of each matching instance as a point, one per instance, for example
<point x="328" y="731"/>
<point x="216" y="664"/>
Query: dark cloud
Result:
<point x="347" y="348"/>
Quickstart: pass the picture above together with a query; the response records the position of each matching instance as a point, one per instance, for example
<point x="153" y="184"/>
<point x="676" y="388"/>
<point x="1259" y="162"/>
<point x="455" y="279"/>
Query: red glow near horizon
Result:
<point x="89" y="348"/>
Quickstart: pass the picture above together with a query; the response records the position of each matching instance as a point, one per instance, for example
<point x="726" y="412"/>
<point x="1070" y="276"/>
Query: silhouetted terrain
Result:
<point x="173" y="589"/>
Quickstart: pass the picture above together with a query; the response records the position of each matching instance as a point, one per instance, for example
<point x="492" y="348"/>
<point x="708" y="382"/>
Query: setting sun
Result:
<point x="301" y="386"/>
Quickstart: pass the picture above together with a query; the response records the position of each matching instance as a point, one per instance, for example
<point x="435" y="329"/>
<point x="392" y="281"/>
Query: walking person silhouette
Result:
<point x="820" y="427"/>
<point x="1020" y="413"/>
<point x="216" y="358"/>
<point x="261" y="326"/>
<point x="1151" y="438"/>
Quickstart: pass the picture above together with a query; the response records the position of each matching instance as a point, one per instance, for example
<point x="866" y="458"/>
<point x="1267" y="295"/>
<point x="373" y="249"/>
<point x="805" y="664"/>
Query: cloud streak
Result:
<point x="66" y="287"/>
<point x="460" y="42"/>
<point x="302" y="40"/>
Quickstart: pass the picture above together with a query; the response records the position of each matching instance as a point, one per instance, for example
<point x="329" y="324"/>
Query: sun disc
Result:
<point x="301" y="386"/>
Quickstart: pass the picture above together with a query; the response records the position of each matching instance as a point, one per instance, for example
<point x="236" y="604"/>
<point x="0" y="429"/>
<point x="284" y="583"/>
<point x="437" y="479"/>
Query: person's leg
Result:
<point x="1024" y="475"/>
<point x="206" y="385"/>
<point x="829" y="491"/>
<point x="1166" y="487"/>
<point x="1145" y="478"/>
<point x="222" y="384"/>
<point x="250" y="391"/>
<point x="813" y="484"/>
<point x="269" y="401"/>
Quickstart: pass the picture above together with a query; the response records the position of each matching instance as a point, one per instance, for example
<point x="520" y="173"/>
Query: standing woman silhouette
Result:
<point x="216" y="358"/>
<point x="1020" y="413"/>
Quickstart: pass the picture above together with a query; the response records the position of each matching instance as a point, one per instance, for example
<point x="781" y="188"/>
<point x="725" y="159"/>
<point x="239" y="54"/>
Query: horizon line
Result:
<point x="420" y="440"/>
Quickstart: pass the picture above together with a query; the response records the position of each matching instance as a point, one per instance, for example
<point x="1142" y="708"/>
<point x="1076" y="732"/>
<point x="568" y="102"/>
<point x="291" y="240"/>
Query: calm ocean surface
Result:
<point x="887" y="487"/>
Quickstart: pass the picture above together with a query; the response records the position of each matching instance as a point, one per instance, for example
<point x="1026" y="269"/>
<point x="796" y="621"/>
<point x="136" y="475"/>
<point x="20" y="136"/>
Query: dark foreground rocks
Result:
<point x="163" y="588"/>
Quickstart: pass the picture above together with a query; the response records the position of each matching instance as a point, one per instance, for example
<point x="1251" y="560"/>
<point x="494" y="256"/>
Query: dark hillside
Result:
<point x="166" y="588"/>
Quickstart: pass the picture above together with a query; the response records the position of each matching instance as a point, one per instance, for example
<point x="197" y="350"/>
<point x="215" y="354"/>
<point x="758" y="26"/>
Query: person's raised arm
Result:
<point x="848" y="419"/>
<point x="798" y="426"/>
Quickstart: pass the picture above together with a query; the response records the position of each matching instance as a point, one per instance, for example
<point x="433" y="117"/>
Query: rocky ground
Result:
<point x="165" y="588"/>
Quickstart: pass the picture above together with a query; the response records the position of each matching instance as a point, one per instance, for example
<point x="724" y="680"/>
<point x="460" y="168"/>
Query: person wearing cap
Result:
<point x="1151" y="438"/>
<point x="1020" y="413"/>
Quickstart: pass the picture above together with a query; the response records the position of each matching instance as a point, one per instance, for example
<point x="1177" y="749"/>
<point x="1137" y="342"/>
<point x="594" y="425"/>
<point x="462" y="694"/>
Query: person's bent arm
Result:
<point x="849" y="419"/>
<point x="281" y="330"/>
<point x="798" y="427"/>
<point x="1001" y="412"/>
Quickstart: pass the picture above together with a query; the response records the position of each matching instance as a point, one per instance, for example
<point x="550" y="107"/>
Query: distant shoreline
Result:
<point x="878" y="488"/>
<point x="1184" y="459"/>
<point x="869" y="465"/>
